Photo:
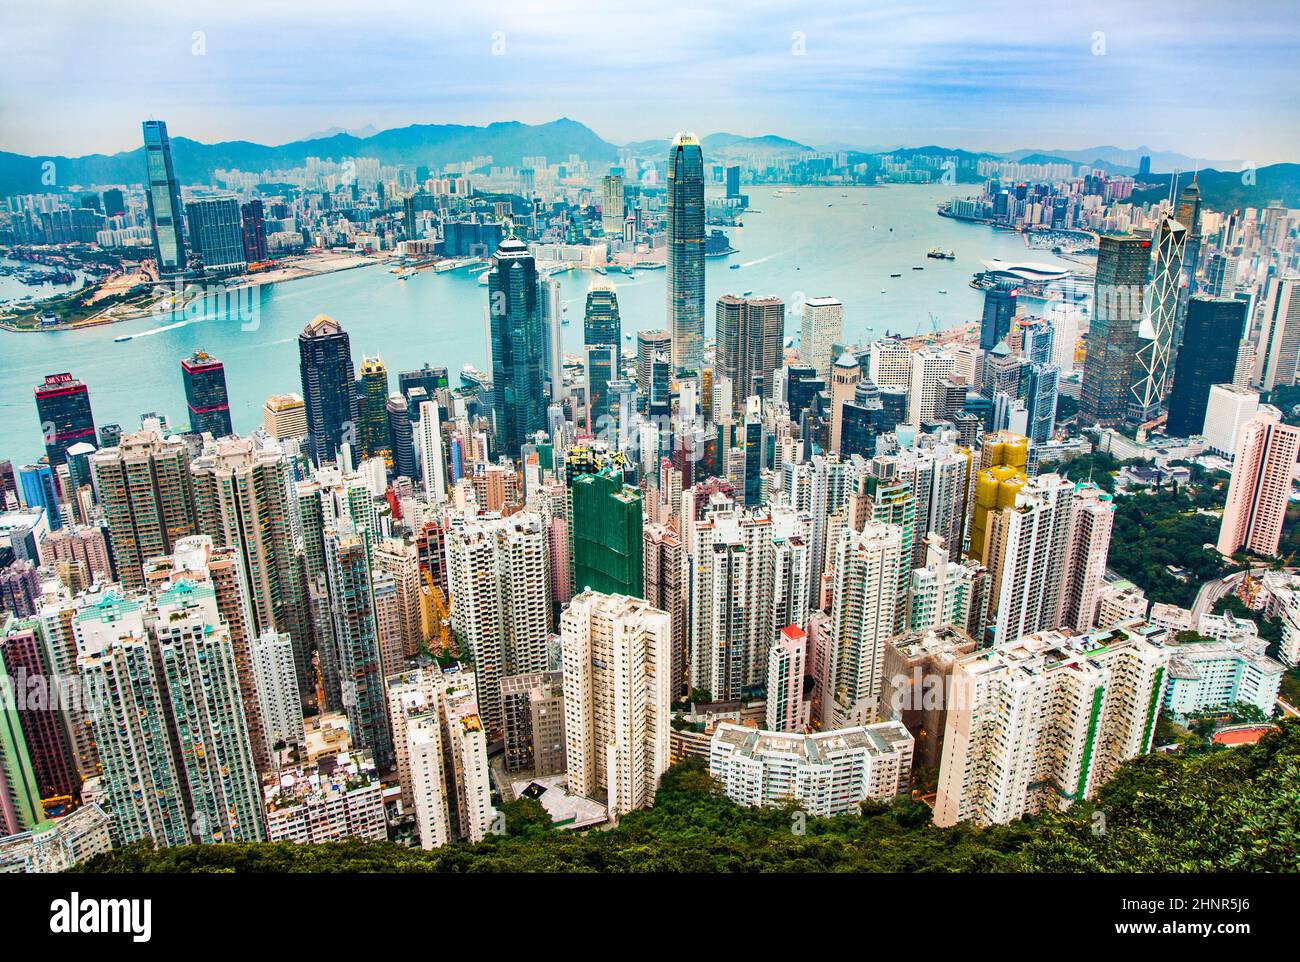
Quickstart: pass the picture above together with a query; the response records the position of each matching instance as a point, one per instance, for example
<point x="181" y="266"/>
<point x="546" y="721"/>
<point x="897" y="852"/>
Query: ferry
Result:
<point x="940" y="255"/>
<point x="943" y="290"/>
<point x="405" y="273"/>
<point x="471" y="376"/>
<point x="122" y="338"/>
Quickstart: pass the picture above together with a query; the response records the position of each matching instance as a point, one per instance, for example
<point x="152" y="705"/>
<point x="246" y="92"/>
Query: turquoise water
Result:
<point x="812" y="242"/>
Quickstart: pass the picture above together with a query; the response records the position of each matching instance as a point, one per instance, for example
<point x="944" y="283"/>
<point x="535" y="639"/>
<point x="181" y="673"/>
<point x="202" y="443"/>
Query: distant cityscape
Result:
<point x="418" y="602"/>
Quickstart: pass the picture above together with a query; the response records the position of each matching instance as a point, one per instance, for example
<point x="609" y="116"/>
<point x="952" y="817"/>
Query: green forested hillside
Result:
<point x="1231" y="810"/>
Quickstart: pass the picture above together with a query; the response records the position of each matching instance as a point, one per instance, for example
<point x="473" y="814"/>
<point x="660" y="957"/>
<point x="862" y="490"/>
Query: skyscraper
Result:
<point x="325" y="365"/>
<point x="347" y="566"/>
<point x="749" y="338"/>
<point x="217" y="234"/>
<point x="617" y="664"/>
<point x="999" y="309"/>
<point x="1042" y="722"/>
<point x="1261" y="484"/>
<point x="1211" y="336"/>
<point x="786" y="664"/>
<point x="432" y="462"/>
<point x="147" y="494"/>
<point x="205" y="394"/>
<point x="1160" y="325"/>
<point x="600" y="320"/>
<point x="1122" y="261"/>
<point x="63" y="406"/>
<point x="241" y="499"/>
<point x="823" y="328"/>
<point x="685" y="238"/>
<point x="607" y="534"/>
<point x="1279" y="336"/>
<point x="163" y="192"/>
<point x="611" y="207"/>
<point x="401" y="438"/>
<point x="372" y="408"/>
<point x="253" y="223"/>
<point x="517" y="344"/>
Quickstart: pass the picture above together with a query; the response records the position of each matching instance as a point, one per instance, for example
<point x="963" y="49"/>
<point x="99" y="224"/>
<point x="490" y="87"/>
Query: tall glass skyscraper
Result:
<point x="63" y="405"/>
<point x="205" y="394"/>
<point x="164" y="195"/>
<point x="328" y="388"/>
<point x="601" y="323"/>
<point x="1211" y="337"/>
<point x="217" y="234"/>
<point x="1122" y="261"/>
<point x="686" y="252"/>
<point x="515" y="329"/>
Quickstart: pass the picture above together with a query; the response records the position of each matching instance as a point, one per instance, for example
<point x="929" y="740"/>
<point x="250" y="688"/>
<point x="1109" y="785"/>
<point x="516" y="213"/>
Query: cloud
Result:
<point x="1198" y="77"/>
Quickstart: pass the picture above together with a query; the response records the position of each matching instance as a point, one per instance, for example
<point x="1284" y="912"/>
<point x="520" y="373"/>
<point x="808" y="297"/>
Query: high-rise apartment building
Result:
<point x="498" y="573"/>
<point x="617" y="663"/>
<point x="284" y="417"/>
<point x="608" y="529"/>
<point x="611" y="206"/>
<point x="786" y="666"/>
<point x="749" y="334"/>
<point x="1262" y="478"/>
<point x="824" y="773"/>
<point x="533" y="706"/>
<point x="1278" y="347"/>
<point x="147" y="493"/>
<point x="217" y="234"/>
<point x="667" y="587"/>
<point x="1041" y="722"/>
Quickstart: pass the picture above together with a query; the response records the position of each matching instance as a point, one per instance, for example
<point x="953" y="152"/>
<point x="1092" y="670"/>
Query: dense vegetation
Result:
<point x="1229" y="810"/>
<point x="1162" y="528"/>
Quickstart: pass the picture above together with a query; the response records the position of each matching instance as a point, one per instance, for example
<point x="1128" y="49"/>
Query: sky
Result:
<point x="1207" y="79"/>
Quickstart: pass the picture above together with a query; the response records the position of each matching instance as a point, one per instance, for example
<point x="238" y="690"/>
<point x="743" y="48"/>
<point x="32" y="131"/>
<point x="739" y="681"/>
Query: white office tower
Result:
<point x="617" y="665"/>
<point x="1043" y="721"/>
<point x="1091" y="519"/>
<point x="786" y="666"/>
<point x="947" y="592"/>
<point x="862" y="618"/>
<point x="1279" y="335"/>
<point x="1066" y="321"/>
<point x="1228" y="409"/>
<point x="749" y="579"/>
<point x="432" y="464"/>
<point x="277" y="689"/>
<point x="553" y="330"/>
<point x="498" y="571"/>
<point x="889" y="363"/>
<point x="931" y="366"/>
<point x="824" y="774"/>
<point x="1027" y="554"/>
<point x="823" y="328"/>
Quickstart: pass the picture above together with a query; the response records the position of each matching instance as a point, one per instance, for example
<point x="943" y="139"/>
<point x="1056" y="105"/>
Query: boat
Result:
<point x="405" y="273"/>
<point x="471" y="376"/>
<point x="895" y="275"/>
<point x="943" y="290"/>
<point x="941" y="255"/>
<point x="884" y="291"/>
<point x="746" y="293"/>
<point x="918" y="268"/>
<point x="600" y="270"/>
<point x="122" y="338"/>
<point x="734" y="267"/>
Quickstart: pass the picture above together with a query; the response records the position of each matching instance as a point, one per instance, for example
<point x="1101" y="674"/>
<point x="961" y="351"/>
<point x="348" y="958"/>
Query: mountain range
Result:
<point x="508" y="143"/>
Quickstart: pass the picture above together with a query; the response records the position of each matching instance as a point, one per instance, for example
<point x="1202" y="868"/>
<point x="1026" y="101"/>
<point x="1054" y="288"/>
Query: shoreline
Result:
<point x="248" y="281"/>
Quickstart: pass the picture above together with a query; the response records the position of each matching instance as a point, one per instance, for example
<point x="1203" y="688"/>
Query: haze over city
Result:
<point x="76" y="77"/>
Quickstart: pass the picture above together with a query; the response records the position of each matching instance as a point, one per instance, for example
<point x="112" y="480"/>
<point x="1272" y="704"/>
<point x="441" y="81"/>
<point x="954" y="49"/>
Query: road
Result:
<point x="1212" y="591"/>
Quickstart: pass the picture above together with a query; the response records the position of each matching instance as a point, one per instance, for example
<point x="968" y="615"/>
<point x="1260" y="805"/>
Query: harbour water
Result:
<point x="807" y="242"/>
